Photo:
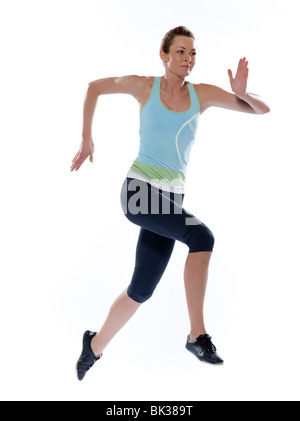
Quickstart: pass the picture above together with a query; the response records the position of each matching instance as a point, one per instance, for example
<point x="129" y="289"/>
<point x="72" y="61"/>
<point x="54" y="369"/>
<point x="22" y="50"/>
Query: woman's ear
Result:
<point x="163" y="56"/>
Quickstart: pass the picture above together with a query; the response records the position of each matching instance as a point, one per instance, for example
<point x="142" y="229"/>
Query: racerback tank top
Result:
<point x="166" y="139"/>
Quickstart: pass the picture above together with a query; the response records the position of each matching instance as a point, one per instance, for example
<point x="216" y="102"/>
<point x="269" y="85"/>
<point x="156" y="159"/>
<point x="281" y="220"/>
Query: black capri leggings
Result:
<point x="162" y="220"/>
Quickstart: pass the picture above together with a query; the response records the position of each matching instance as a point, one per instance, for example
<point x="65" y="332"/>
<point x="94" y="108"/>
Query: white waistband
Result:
<point x="155" y="183"/>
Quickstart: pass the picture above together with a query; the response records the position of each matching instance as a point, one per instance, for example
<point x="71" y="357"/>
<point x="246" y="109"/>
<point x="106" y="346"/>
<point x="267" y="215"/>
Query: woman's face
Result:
<point x="182" y="56"/>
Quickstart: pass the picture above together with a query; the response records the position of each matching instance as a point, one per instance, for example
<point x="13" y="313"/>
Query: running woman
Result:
<point x="153" y="191"/>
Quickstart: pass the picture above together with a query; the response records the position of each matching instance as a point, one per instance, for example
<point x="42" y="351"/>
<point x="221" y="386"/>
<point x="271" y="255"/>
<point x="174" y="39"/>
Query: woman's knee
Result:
<point x="138" y="296"/>
<point x="200" y="238"/>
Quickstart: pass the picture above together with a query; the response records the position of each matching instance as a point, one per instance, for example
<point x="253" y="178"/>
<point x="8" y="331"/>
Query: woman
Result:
<point x="153" y="191"/>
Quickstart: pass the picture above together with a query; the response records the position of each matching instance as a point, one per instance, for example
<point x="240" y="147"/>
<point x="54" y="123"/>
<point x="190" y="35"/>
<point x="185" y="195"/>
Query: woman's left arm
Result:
<point x="240" y="100"/>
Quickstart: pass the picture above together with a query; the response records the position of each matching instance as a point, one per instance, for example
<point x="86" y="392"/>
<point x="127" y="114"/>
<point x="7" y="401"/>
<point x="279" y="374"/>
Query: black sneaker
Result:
<point x="204" y="349"/>
<point x="87" y="358"/>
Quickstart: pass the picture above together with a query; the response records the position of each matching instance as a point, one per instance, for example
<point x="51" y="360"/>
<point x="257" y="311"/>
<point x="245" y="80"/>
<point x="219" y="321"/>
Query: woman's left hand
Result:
<point x="239" y="83"/>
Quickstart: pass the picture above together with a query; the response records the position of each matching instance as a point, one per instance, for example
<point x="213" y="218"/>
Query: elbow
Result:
<point x="91" y="86"/>
<point x="93" y="89"/>
<point x="265" y="110"/>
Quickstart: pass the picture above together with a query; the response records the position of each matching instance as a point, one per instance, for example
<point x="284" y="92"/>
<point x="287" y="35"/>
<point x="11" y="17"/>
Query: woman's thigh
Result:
<point x="153" y="253"/>
<point x="162" y="213"/>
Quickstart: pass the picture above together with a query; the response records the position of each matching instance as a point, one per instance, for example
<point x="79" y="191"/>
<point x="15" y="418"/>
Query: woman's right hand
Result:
<point x="86" y="150"/>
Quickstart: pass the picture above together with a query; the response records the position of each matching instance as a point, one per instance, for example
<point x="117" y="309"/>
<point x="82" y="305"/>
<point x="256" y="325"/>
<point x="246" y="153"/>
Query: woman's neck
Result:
<point x="171" y="82"/>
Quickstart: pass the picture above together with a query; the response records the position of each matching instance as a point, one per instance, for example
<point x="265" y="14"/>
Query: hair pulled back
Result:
<point x="167" y="40"/>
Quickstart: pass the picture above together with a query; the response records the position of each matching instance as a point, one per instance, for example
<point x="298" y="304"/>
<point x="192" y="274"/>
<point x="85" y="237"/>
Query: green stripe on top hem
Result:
<point x="161" y="175"/>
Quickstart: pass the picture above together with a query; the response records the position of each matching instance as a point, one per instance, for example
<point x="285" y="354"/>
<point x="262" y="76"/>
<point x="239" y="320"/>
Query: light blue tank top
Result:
<point x="166" y="139"/>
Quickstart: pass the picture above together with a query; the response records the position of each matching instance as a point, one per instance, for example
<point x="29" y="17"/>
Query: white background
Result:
<point x="67" y="250"/>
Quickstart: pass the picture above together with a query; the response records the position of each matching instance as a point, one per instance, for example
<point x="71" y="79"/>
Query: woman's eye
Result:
<point x="182" y="52"/>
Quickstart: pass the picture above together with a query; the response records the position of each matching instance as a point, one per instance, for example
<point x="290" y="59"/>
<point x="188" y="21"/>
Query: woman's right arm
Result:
<point x="132" y="85"/>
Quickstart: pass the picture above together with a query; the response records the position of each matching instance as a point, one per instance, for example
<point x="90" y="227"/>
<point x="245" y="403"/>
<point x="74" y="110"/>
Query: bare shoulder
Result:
<point x="137" y="86"/>
<point x="141" y="88"/>
<point x="143" y="81"/>
<point x="214" y="96"/>
<point x="204" y="92"/>
<point x="202" y="87"/>
<point x="135" y="81"/>
<point x="129" y="84"/>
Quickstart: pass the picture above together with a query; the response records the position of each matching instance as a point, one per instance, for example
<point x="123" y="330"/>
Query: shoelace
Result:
<point x="206" y="343"/>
